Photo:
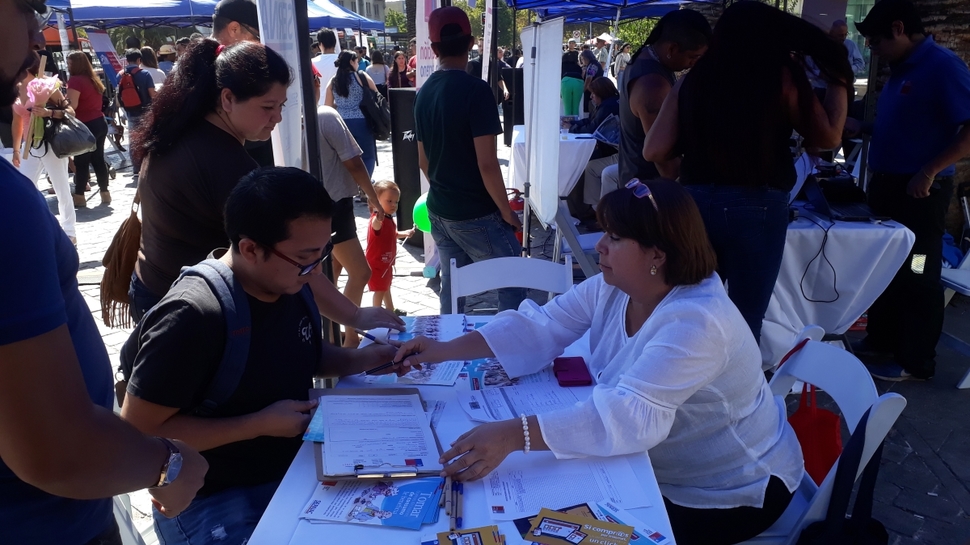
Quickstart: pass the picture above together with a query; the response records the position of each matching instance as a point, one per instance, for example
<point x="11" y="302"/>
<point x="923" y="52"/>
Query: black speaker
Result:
<point x="404" y="148"/>
<point x="514" y="108"/>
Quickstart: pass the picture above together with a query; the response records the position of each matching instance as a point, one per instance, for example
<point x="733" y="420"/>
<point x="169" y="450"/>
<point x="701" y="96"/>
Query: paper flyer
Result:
<point x="403" y="504"/>
<point x="486" y="535"/>
<point x="496" y="404"/>
<point x="489" y="373"/>
<point x="447" y="326"/>
<point x="605" y="511"/>
<point x="554" y="528"/>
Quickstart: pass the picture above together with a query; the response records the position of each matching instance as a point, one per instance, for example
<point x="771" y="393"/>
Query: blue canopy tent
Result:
<point x="149" y="13"/>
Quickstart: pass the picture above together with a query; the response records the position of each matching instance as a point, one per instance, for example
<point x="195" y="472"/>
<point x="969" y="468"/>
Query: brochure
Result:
<point x="404" y="504"/>
<point x="555" y="528"/>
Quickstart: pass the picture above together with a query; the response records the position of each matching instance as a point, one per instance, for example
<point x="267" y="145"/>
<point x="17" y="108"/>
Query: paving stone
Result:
<point x="896" y="520"/>
<point x="938" y="507"/>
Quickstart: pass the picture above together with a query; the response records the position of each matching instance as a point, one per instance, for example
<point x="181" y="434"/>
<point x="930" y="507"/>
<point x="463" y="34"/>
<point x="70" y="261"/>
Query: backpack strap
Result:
<point x="235" y="309"/>
<point x="311" y="306"/>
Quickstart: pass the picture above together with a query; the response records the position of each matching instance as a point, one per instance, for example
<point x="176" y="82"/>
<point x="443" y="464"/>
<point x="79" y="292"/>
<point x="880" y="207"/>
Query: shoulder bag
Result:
<point x="69" y="137"/>
<point x="376" y="111"/>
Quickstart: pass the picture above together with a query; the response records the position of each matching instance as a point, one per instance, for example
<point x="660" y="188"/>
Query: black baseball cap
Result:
<point x="240" y="11"/>
<point x="879" y="20"/>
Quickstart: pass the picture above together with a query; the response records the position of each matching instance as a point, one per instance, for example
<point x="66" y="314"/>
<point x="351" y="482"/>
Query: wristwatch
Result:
<point x="173" y="464"/>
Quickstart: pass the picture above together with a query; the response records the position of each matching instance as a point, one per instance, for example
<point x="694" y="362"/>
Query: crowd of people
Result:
<point x="227" y="267"/>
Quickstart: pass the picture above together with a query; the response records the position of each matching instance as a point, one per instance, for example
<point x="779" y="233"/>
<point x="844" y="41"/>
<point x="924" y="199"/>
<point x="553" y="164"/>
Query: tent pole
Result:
<point x="76" y="42"/>
<point x="616" y="30"/>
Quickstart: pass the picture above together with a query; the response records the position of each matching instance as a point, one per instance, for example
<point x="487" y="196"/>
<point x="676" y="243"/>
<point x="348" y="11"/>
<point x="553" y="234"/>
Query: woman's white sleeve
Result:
<point x="527" y="340"/>
<point x="638" y="413"/>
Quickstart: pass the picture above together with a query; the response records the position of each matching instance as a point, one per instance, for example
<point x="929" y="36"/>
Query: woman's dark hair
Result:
<point x="376" y="57"/>
<point x="148" y="57"/>
<point x="266" y="200"/>
<point x="684" y="27"/>
<point x="603" y="88"/>
<point x="395" y="77"/>
<point x="345" y="71"/>
<point x="675" y="227"/>
<point x="78" y="64"/>
<point x="736" y="87"/>
<point x="247" y="69"/>
<point x="589" y="56"/>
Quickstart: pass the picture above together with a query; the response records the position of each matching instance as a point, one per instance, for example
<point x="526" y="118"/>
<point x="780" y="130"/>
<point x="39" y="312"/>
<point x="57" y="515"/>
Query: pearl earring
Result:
<point x="653" y="270"/>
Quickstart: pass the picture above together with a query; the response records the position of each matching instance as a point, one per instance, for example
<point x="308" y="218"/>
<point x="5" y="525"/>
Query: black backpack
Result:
<point x="235" y="309"/>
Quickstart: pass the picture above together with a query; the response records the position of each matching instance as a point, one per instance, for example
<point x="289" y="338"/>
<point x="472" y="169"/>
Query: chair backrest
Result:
<point x="834" y="370"/>
<point x="510" y="272"/>
<point x="885" y="410"/>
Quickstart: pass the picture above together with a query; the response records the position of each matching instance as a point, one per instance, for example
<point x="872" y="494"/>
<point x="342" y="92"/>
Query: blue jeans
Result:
<point x="228" y="517"/>
<point x="469" y="241"/>
<point x="140" y="298"/>
<point x="747" y="228"/>
<point x="358" y="128"/>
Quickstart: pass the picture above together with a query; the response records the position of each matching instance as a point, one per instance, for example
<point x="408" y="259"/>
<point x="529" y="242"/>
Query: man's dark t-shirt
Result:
<point x="180" y="348"/>
<point x="452" y="109"/>
<point x="183" y="194"/>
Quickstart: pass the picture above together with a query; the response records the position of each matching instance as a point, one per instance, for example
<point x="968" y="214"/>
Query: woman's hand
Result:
<point x="419" y="350"/>
<point x="479" y="451"/>
<point x="376" y="317"/>
<point x="40" y="111"/>
<point x="16" y="157"/>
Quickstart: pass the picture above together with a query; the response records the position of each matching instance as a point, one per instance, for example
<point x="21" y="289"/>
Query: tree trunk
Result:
<point x="949" y="23"/>
<point x="410" y="6"/>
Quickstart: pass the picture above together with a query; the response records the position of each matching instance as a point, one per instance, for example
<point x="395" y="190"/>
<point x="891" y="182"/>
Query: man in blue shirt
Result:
<point x="145" y="86"/>
<point x="61" y="447"/>
<point x="921" y="130"/>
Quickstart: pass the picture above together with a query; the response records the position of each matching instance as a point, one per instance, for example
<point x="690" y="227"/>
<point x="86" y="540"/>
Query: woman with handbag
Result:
<point x="345" y="93"/>
<point x="41" y="100"/>
<point x="192" y="144"/>
<point x="85" y="90"/>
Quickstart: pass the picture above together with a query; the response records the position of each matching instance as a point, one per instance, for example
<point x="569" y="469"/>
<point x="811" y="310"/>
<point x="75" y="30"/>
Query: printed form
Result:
<point x="522" y="485"/>
<point x="376" y="433"/>
<point x="495" y="404"/>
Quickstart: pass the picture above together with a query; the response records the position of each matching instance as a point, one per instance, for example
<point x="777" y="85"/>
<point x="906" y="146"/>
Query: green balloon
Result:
<point x="420" y="214"/>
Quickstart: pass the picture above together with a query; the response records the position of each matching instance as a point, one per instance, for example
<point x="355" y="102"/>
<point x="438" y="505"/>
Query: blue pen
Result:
<point x="367" y="335"/>
<point x="461" y="498"/>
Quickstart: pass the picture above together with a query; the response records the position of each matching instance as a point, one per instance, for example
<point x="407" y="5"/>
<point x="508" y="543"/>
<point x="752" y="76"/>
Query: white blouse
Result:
<point x="688" y="387"/>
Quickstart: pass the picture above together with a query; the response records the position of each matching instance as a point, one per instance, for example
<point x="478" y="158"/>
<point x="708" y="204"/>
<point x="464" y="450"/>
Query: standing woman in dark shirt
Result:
<point x="192" y="143"/>
<point x="731" y="119"/>
<point x="84" y="91"/>
<point x="399" y="72"/>
<point x="591" y="71"/>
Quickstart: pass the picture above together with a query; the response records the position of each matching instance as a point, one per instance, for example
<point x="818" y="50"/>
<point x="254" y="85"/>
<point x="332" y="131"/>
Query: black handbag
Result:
<point x="68" y="137"/>
<point x="861" y="529"/>
<point x="376" y="111"/>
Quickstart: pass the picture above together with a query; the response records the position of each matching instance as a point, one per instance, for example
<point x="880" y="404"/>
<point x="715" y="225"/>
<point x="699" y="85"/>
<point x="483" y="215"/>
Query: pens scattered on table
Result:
<point x="372" y="338"/>
<point x="453" y="498"/>
<point x="441" y="498"/>
<point x="446" y="493"/>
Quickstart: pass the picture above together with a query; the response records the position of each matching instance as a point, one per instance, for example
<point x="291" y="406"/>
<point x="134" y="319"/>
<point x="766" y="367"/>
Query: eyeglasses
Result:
<point x="306" y="269"/>
<point x="251" y="30"/>
<point x="640" y="190"/>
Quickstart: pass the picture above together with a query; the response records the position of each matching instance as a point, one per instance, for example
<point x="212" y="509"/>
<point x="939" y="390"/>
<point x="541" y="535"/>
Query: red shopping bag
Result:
<point x="819" y="432"/>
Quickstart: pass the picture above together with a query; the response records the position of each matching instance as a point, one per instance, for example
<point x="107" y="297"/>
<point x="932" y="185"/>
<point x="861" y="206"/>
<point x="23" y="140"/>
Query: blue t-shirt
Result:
<point x="920" y="110"/>
<point x="451" y="110"/>
<point x="40" y="293"/>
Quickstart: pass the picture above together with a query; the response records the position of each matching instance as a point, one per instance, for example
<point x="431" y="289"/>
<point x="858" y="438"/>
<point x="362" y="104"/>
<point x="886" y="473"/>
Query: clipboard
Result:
<point x="379" y="472"/>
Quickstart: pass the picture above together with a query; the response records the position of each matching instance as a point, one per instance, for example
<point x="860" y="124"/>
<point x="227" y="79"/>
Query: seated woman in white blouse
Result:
<point x="677" y="369"/>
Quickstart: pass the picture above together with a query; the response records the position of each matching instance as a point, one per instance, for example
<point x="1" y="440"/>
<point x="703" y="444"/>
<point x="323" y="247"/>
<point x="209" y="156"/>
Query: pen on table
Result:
<point x="441" y="498"/>
<point x="452" y="519"/>
<point x="379" y="368"/>
<point x="367" y="335"/>
<point x="461" y="501"/>
<point x="446" y="493"/>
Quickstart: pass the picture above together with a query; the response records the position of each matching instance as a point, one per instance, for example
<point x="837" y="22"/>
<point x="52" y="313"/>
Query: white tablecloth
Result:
<point x="833" y="290"/>
<point x="280" y="523"/>
<point x="574" y="153"/>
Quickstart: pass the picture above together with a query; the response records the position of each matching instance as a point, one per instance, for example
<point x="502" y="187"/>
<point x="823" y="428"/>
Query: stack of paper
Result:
<point x="601" y="511"/>
<point x="405" y="504"/>
<point x="444" y="327"/>
<point x="486" y="535"/>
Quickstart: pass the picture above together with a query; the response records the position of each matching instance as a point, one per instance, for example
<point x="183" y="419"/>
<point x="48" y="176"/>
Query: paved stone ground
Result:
<point x="923" y="491"/>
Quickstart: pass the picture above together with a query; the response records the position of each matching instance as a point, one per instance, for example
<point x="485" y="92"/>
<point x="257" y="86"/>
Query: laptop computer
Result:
<point x="847" y="211"/>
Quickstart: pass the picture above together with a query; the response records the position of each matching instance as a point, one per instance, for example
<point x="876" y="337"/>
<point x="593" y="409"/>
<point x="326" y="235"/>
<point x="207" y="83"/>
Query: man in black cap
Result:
<point x="921" y="130"/>
<point x="235" y="21"/>
<point x="63" y="452"/>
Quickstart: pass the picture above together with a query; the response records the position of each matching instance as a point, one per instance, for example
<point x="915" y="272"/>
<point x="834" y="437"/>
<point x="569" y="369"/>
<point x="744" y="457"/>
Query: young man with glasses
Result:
<point x="63" y="452"/>
<point x="278" y="222"/>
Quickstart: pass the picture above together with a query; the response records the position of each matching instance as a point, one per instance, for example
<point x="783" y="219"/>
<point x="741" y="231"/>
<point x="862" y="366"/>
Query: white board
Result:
<point x="541" y="86"/>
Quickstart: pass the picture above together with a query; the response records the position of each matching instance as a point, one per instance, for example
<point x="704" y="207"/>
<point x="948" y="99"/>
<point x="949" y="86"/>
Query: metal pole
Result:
<point x="76" y="43"/>
<point x="331" y="330"/>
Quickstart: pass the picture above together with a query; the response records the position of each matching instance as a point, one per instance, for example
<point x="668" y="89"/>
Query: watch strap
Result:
<point x="173" y="451"/>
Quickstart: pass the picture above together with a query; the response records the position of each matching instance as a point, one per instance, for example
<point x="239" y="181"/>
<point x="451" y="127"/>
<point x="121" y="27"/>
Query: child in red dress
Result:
<point x="382" y="237"/>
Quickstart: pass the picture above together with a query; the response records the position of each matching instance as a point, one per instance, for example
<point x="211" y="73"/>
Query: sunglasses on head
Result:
<point x="640" y="190"/>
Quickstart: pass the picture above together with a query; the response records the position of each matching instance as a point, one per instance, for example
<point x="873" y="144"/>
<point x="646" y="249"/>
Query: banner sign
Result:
<point x="277" y="30"/>
<point x="107" y="56"/>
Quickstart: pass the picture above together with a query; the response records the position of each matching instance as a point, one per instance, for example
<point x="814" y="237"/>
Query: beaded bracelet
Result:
<point x="525" y="433"/>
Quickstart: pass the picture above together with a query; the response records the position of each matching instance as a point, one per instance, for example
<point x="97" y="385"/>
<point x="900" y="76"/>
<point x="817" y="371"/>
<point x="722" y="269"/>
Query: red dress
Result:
<point x="380" y="253"/>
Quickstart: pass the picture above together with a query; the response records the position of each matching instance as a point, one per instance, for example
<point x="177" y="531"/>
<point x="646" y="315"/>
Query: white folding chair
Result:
<point x="957" y="280"/>
<point x="843" y="377"/>
<point x="510" y="272"/>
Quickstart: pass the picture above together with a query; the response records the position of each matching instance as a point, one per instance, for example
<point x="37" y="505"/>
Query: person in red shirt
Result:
<point x="85" y="91"/>
<point x="382" y="237"/>
<point x="413" y="61"/>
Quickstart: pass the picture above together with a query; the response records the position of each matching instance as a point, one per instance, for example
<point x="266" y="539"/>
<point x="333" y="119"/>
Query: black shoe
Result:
<point x="862" y="349"/>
